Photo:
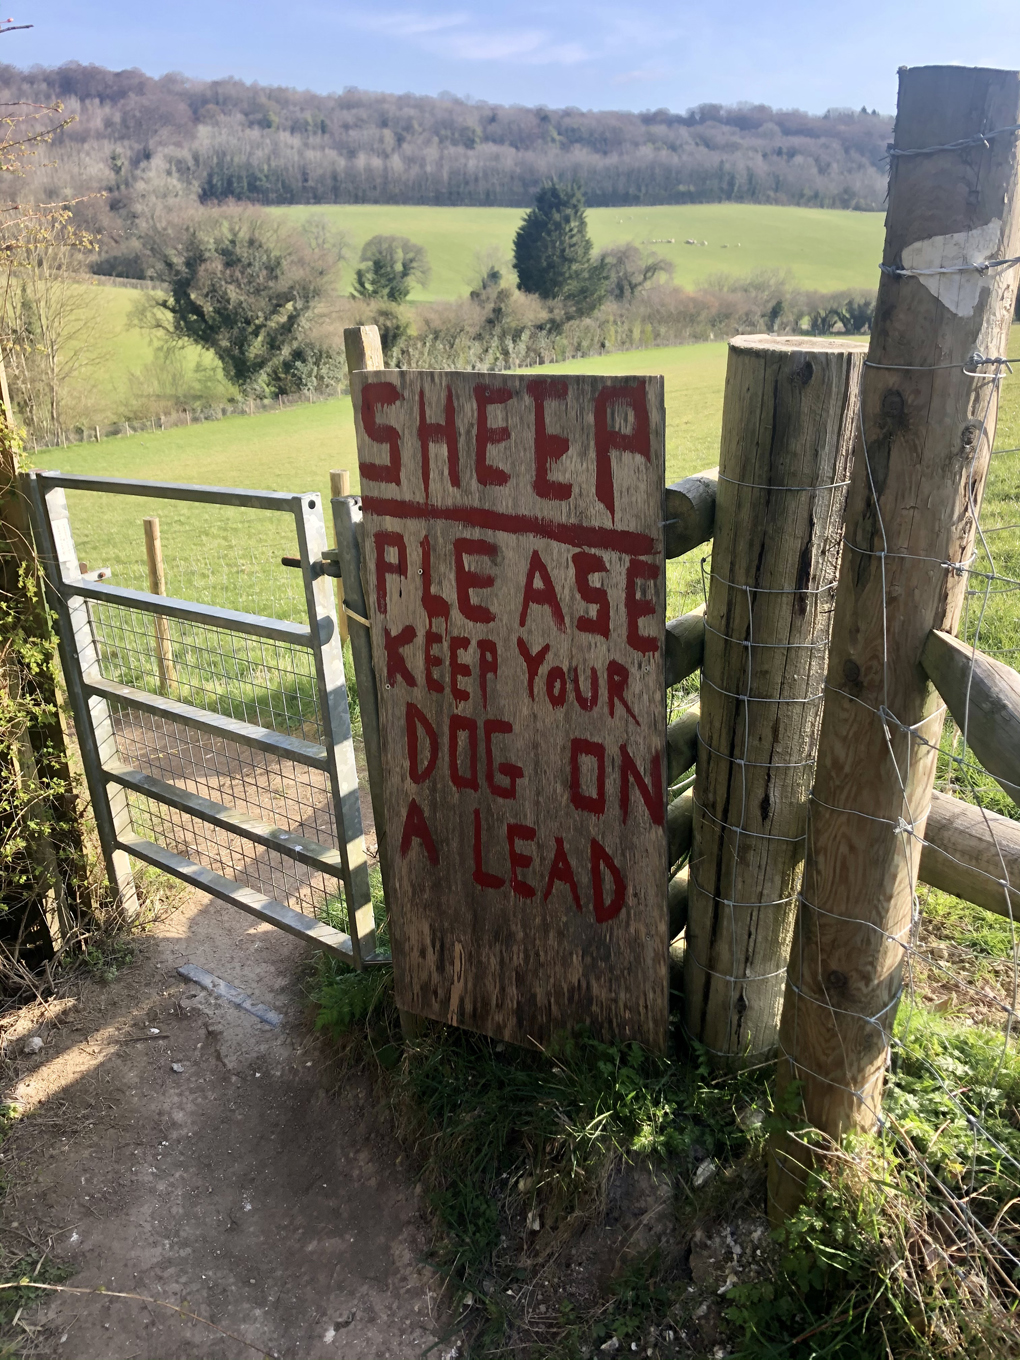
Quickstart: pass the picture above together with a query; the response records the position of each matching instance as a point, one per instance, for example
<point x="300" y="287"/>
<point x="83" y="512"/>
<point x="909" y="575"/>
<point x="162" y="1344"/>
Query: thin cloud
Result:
<point x="404" y="24"/>
<point x="456" y="34"/>
<point x="642" y="75"/>
<point x="536" y="47"/>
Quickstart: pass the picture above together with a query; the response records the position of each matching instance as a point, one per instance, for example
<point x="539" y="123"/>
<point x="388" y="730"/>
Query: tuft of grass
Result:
<point x="909" y="1246"/>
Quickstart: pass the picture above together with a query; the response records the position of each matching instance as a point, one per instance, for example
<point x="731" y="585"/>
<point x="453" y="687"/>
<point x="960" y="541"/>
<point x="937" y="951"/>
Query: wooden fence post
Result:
<point x="928" y="411"/>
<point x="157" y="586"/>
<point x="362" y="349"/>
<point x="340" y="485"/>
<point x="787" y="438"/>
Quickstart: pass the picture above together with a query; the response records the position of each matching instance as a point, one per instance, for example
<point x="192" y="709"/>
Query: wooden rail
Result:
<point x="983" y="696"/>
<point x="690" y="512"/>
<point x="967" y="851"/>
<point x="685" y="645"/>
<point x="973" y="854"/>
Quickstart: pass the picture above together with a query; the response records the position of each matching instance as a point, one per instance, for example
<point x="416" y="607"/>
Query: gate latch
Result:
<point x="328" y="562"/>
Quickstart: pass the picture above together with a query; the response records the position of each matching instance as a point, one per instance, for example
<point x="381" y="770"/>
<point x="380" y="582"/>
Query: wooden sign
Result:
<point x="515" y="577"/>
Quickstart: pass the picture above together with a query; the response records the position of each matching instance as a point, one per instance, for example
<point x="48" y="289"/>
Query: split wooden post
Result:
<point x="157" y="586"/>
<point x="787" y="438"/>
<point x="362" y="349"/>
<point x="928" y="412"/>
<point x="340" y="485"/>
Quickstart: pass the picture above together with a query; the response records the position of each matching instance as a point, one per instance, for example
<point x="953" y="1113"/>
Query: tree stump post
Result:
<point x="928" y="411"/>
<point x="787" y="440"/>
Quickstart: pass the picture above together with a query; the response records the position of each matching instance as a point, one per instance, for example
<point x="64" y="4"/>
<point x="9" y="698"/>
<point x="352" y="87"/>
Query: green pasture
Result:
<point x="294" y="450"/>
<point x="126" y="371"/>
<point x="823" y="249"/>
<point x="127" y="377"/>
<point x="231" y="557"/>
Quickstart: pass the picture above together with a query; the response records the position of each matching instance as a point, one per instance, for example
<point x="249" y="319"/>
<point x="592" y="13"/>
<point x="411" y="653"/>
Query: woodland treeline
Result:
<point x="225" y="139"/>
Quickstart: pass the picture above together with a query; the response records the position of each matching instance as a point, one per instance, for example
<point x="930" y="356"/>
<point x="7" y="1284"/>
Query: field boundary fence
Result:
<point x="186" y="416"/>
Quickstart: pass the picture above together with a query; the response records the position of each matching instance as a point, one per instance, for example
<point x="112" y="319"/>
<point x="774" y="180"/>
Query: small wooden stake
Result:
<point x="928" y="411"/>
<point x="157" y="586"/>
<point x="787" y="436"/>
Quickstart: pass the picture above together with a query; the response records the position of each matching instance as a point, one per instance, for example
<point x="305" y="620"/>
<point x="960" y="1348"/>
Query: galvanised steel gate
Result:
<point x="216" y="744"/>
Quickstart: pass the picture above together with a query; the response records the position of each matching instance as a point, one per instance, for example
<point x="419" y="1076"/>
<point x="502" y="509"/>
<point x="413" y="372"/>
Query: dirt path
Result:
<point x="244" y="1184"/>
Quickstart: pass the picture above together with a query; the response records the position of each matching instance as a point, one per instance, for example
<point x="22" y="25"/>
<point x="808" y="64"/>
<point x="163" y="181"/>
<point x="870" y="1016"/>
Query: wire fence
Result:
<point x="250" y="679"/>
<point x="947" y="1109"/>
<point x="171" y="419"/>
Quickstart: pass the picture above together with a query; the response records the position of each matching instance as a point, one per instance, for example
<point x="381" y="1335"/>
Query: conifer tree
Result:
<point x="552" y="250"/>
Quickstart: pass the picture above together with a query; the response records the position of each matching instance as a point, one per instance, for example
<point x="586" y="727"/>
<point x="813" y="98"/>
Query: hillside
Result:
<point x="227" y="139"/>
<point x="819" y="249"/>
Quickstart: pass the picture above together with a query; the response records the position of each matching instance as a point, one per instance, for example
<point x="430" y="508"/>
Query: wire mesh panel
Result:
<point x="219" y="734"/>
<point x="253" y="679"/>
<point x="278" y="792"/>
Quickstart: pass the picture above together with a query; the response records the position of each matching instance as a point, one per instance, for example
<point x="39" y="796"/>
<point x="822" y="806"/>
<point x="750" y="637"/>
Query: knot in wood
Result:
<point x="805" y="372"/>
<point x="893" y="408"/>
<point x="968" y="437"/>
<point x="837" y="980"/>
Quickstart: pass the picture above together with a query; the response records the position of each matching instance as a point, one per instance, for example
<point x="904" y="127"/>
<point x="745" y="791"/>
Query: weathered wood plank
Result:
<point x="786" y="448"/>
<point x="516" y="589"/>
<point x="972" y="853"/>
<point x="983" y="696"/>
<point x="928" y="418"/>
<point x="690" y="512"/>
<point x="340" y="485"/>
<point x="362" y="349"/>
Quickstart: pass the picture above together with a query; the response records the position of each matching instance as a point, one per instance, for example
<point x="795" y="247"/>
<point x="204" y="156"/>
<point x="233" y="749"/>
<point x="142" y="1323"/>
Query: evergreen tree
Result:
<point x="552" y="250"/>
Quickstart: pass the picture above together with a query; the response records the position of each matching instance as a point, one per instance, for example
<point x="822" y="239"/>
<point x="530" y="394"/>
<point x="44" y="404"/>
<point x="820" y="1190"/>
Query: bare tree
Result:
<point x="53" y="337"/>
<point x="629" y="270"/>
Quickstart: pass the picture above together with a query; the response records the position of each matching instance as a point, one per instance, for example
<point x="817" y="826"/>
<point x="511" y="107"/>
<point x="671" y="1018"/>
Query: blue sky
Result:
<point x="644" y="54"/>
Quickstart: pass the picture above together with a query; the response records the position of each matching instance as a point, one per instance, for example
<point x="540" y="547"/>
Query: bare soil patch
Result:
<point x="256" y="1186"/>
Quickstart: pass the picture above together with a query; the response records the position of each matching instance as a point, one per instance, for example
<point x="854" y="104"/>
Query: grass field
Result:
<point x="823" y="249"/>
<point x="294" y="449"/>
<point x="120" y="372"/>
<point x="232" y="557"/>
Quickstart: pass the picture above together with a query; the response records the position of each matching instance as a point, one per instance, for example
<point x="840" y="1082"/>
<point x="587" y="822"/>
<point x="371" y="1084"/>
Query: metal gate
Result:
<point x="216" y="744"/>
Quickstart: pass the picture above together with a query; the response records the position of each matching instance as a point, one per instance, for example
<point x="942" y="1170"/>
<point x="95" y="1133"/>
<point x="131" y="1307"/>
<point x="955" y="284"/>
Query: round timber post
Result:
<point x="928" y="411"/>
<point x="787" y="439"/>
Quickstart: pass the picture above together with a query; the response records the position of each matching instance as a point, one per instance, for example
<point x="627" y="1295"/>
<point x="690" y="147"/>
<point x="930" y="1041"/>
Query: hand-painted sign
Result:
<point x="515" y="577"/>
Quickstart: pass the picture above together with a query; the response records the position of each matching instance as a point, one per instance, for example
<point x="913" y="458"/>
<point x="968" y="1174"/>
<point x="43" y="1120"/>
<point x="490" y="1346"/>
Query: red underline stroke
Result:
<point x="627" y="541"/>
